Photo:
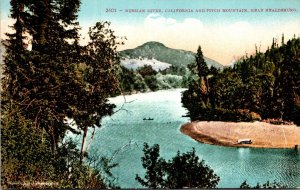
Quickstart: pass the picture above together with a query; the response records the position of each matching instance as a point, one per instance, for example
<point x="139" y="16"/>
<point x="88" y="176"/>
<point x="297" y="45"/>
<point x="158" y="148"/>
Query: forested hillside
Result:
<point x="260" y="86"/>
<point x="160" y="52"/>
<point x="153" y="66"/>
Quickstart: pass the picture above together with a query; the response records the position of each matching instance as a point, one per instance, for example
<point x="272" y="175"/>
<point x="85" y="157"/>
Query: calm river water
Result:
<point x="127" y="129"/>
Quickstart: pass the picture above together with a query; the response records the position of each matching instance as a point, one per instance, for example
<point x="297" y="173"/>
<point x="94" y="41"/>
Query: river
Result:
<point x="126" y="131"/>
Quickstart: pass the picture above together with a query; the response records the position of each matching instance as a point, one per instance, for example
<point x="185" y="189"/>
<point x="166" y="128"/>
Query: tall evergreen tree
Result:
<point x="45" y="81"/>
<point x="202" y="67"/>
<point x="203" y="71"/>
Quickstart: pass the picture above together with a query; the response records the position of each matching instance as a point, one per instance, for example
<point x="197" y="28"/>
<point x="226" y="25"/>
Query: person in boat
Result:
<point x="148" y="118"/>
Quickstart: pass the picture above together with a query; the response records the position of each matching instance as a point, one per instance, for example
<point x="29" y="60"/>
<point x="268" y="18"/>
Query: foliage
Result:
<point x="267" y="185"/>
<point x="175" y="70"/>
<point x="175" y="76"/>
<point x="48" y="82"/>
<point x="24" y="151"/>
<point x="146" y="70"/>
<point x="220" y="114"/>
<point x="146" y="79"/>
<point x="54" y="79"/>
<point x="151" y="82"/>
<point x="182" y="171"/>
<point x="202" y="68"/>
<point x="265" y="84"/>
<point x="100" y="81"/>
<point x="26" y="162"/>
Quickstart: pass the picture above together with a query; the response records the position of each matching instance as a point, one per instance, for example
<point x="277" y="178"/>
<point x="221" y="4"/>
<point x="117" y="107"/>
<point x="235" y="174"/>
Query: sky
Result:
<point x="223" y="36"/>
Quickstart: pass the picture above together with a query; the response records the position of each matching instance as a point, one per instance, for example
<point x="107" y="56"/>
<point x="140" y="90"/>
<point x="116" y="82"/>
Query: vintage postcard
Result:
<point x="150" y="94"/>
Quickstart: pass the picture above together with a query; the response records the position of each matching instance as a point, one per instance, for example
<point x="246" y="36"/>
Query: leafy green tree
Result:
<point x="139" y="83"/>
<point x="183" y="170"/>
<point x="100" y="81"/>
<point x="152" y="82"/>
<point x="126" y="78"/>
<point x="187" y="170"/>
<point x="146" y="70"/>
<point x="154" y="168"/>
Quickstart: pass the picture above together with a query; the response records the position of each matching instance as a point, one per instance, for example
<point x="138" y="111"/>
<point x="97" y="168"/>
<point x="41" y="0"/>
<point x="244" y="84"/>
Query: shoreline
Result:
<point x="263" y="135"/>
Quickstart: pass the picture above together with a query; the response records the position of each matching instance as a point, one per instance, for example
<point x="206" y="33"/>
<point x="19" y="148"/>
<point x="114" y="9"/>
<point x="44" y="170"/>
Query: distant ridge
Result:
<point x="158" y="51"/>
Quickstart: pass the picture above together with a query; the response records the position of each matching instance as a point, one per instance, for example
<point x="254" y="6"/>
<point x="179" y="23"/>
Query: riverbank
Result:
<point x="263" y="135"/>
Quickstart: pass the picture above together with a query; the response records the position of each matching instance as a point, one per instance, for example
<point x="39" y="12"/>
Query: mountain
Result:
<point x="159" y="53"/>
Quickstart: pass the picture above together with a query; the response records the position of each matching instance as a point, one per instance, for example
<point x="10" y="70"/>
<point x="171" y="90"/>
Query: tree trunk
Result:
<point x="19" y="26"/>
<point x="91" y="140"/>
<point x="82" y="144"/>
<point x="207" y="85"/>
<point x="53" y="142"/>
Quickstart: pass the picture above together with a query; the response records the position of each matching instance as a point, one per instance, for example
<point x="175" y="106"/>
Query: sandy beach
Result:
<point x="263" y="135"/>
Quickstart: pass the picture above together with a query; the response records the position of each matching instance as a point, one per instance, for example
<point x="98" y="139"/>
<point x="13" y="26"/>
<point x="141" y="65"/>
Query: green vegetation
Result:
<point x="182" y="171"/>
<point x="160" y="52"/>
<point x="175" y="76"/>
<point x="264" y="85"/>
<point x="147" y="79"/>
<point x="54" y="80"/>
<point x="267" y="185"/>
<point x="27" y="161"/>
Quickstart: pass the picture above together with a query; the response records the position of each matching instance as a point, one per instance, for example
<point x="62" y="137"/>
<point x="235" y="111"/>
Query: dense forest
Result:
<point x="260" y="86"/>
<point x="145" y="79"/>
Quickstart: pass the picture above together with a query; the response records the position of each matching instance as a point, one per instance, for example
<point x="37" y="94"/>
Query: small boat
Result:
<point x="244" y="141"/>
<point x="148" y="118"/>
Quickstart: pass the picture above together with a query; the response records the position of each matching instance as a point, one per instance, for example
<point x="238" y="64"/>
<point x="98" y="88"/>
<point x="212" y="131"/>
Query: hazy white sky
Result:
<point x="223" y="36"/>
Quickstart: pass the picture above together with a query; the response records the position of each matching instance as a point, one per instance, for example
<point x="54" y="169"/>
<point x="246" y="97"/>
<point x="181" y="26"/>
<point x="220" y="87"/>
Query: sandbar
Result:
<point x="262" y="134"/>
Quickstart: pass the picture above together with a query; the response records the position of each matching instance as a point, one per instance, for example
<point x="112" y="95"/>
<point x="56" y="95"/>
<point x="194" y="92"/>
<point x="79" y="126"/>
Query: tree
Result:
<point x="152" y="82"/>
<point x="197" y="98"/>
<point x="146" y="70"/>
<point x="126" y="78"/>
<point x="183" y="170"/>
<point x="25" y="159"/>
<point x="36" y="80"/>
<point x="54" y="80"/>
<point x="100" y="80"/>
<point x="202" y="67"/>
<point x="267" y="185"/>
<point x="154" y="166"/>
<point x="202" y="71"/>
<point x="46" y="82"/>
<point x="264" y="83"/>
